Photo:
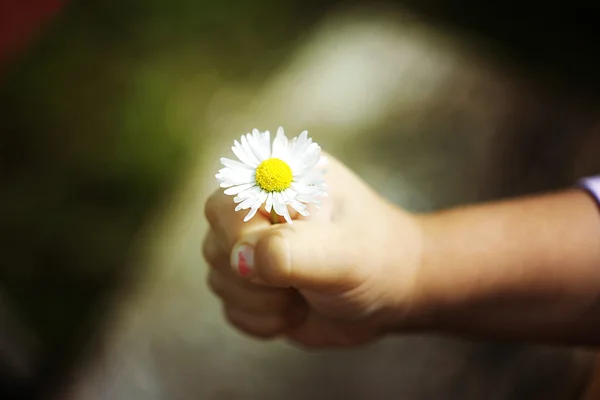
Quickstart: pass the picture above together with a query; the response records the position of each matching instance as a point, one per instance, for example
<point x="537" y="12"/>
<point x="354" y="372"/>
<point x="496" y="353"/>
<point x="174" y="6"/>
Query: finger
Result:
<point x="256" y="325"/>
<point x="220" y="260"/>
<point x="213" y="252"/>
<point x="251" y="298"/>
<point x="229" y="224"/>
<point x="316" y="212"/>
<point x="305" y="255"/>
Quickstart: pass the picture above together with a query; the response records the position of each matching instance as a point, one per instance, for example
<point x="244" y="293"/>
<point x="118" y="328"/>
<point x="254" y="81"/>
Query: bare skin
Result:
<point x="525" y="269"/>
<point x="359" y="268"/>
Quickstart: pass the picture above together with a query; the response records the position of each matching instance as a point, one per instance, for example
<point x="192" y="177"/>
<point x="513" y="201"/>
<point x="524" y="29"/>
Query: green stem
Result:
<point x="274" y="217"/>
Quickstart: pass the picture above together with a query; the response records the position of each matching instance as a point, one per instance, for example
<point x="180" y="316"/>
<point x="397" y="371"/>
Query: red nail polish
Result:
<point x="243" y="265"/>
<point x="243" y="260"/>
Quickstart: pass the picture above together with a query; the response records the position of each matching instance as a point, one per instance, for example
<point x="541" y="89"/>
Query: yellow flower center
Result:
<point x="274" y="175"/>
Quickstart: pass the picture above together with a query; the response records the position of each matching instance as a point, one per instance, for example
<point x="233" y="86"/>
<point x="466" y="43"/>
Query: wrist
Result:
<point x="407" y="306"/>
<point x="424" y="291"/>
<point x="508" y="268"/>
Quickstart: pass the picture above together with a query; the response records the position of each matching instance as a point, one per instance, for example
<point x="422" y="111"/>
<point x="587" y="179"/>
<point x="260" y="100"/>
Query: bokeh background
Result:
<point x="113" y="115"/>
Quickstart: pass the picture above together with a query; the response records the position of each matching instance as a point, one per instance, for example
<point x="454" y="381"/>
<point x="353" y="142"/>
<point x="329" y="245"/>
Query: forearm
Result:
<point x="521" y="269"/>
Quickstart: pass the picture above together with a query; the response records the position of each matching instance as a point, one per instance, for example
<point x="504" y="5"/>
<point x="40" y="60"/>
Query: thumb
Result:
<point x="306" y="255"/>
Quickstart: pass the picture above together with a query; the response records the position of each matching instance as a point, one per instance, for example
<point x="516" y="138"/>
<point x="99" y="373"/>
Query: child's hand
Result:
<point x="340" y="277"/>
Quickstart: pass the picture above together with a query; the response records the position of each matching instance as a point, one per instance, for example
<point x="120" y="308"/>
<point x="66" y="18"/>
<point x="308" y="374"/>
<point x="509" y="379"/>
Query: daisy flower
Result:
<point x="286" y="174"/>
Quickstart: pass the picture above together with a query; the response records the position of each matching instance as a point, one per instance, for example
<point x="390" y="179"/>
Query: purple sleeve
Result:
<point x="592" y="185"/>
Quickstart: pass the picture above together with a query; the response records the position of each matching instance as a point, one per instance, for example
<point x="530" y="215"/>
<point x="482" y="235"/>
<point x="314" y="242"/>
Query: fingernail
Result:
<point x="243" y="259"/>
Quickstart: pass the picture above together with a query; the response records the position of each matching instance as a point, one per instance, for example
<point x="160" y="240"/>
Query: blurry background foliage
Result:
<point x="99" y="121"/>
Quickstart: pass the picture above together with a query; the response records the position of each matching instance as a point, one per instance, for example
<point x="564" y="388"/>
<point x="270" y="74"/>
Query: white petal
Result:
<point x="282" y="197"/>
<point x="280" y="145"/>
<point x="251" y="214"/>
<point x="240" y="153"/>
<point x="266" y="137"/>
<point x="300" y="208"/>
<point x="244" y="195"/>
<point x="307" y="193"/>
<point x="323" y="161"/>
<point x="240" y="176"/>
<point x="253" y="197"/>
<point x="305" y="161"/>
<point x="238" y="189"/>
<point x="234" y="164"/>
<point x="226" y="184"/>
<point x="310" y="157"/>
<point x="256" y="191"/>
<point x="258" y="145"/>
<point x="311" y="177"/>
<point x="249" y="202"/>
<point x="302" y="143"/>
<point x="308" y="199"/>
<point x="246" y="146"/>
<point x="296" y="205"/>
<point x="286" y="215"/>
<point x="293" y="145"/>
<point x="262" y="196"/>
<point x="280" y="207"/>
<point x="301" y="187"/>
<point x="278" y="204"/>
<point x="288" y="195"/>
<point x="254" y="145"/>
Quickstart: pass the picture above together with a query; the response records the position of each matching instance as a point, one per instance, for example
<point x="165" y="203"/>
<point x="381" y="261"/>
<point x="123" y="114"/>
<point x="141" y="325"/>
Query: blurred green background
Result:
<point x="100" y="120"/>
<point x="112" y="124"/>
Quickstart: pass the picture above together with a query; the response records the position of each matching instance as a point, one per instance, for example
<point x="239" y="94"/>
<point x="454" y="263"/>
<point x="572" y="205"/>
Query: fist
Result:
<point x="342" y="276"/>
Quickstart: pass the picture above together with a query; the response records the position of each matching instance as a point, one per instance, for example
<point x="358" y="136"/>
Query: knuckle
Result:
<point x="210" y="251"/>
<point x="272" y="254"/>
<point x="255" y="325"/>
<point x="267" y="303"/>
<point x="215" y="284"/>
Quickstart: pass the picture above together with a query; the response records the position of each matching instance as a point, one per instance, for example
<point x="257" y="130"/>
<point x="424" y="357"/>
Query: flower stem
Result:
<point x="274" y="217"/>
